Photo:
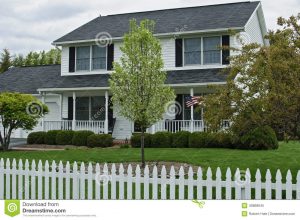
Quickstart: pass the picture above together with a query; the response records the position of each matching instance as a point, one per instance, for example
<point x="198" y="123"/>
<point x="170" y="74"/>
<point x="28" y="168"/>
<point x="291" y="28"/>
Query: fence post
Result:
<point x="75" y="181"/>
<point x="20" y="180"/>
<point x="218" y="184"/>
<point x="228" y="184"/>
<point x="298" y="186"/>
<point x="209" y="184"/>
<point x="82" y="181"/>
<point x="199" y="184"/>
<point x="129" y="182"/>
<point x="268" y="185"/>
<point x="105" y="181"/>
<point x="53" y="180"/>
<point x="146" y="182"/>
<point x="32" y="182"/>
<point x="113" y="182"/>
<point x="248" y="185"/>
<point x="289" y="190"/>
<point x="47" y="180"/>
<point x="172" y="183"/>
<point x="181" y="183"/>
<point x="13" y="179"/>
<point x="154" y="184"/>
<point x="40" y="180"/>
<point x="68" y="180"/>
<point x="257" y="185"/>
<point x="190" y="184"/>
<point x="90" y="181"/>
<point x="60" y="181"/>
<point x="137" y="182"/>
<point x="163" y="185"/>
<point x="97" y="182"/>
<point x="278" y="185"/>
<point x="121" y="182"/>
<point x="7" y="175"/>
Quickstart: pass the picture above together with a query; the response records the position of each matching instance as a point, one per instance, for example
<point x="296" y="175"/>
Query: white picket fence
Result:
<point x="94" y="182"/>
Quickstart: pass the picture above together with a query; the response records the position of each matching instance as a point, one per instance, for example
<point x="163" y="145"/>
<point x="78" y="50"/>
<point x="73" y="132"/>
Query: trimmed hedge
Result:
<point x="100" y="140"/>
<point x="136" y="140"/>
<point x="198" y="140"/>
<point x="64" y="137"/>
<point x="161" y="139"/>
<point x="261" y="138"/>
<point x="50" y="137"/>
<point x="180" y="139"/>
<point x="36" y="137"/>
<point x="80" y="137"/>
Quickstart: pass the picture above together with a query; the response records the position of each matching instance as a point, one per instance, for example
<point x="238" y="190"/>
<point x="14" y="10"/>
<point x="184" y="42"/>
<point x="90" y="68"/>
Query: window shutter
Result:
<point x="225" y="51"/>
<point x="70" y="108"/>
<point x="110" y="56"/>
<point x="72" y="59"/>
<point x="178" y="52"/>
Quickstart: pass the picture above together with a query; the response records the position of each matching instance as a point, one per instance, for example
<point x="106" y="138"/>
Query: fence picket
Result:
<point x="47" y="173"/>
<point x="181" y="183"/>
<point x="20" y="180"/>
<point x="199" y="184"/>
<point x="33" y="179"/>
<point x="67" y="181"/>
<point x="75" y="193"/>
<point x="60" y="181"/>
<point x="163" y="186"/>
<point x="121" y="182"/>
<point x="34" y="183"/>
<point x="13" y="179"/>
<point x="146" y="182"/>
<point x="53" y="180"/>
<point x="26" y="181"/>
<point x="154" y="184"/>
<point x="113" y="182"/>
<point x="8" y="172"/>
<point x="129" y="182"/>
<point x="209" y="184"/>
<point x="228" y="194"/>
<point x="268" y="185"/>
<point x="298" y="186"/>
<point x="278" y="185"/>
<point x="105" y="181"/>
<point x="137" y="182"/>
<point x="97" y="182"/>
<point x="82" y="181"/>
<point x="289" y="192"/>
<point x="90" y="181"/>
<point x="40" y="180"/>
<point x="257" y="185"/>
<point x="218" y="184"/>
<point x="237" y="184"/>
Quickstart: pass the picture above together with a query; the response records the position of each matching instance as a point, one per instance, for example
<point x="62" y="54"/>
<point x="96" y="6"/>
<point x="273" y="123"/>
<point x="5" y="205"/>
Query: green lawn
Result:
<point x="286" y="157"/>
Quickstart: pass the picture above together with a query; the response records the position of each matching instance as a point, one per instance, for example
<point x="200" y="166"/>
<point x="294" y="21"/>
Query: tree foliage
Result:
<point x="52" y="56"/>
<point x="138" y="81"/>
<point x="263" y="85"/>
<point x="18" y="111"/>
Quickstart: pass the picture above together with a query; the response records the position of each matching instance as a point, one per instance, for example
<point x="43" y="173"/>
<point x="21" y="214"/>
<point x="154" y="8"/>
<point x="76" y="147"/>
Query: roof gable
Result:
<point x="223" y="16"/>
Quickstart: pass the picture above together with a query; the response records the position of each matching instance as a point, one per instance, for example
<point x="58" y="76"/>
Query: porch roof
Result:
<point x="42" y="78"/>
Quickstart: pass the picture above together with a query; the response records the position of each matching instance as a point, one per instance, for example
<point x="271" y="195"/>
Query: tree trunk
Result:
<point x="142" y="148"/>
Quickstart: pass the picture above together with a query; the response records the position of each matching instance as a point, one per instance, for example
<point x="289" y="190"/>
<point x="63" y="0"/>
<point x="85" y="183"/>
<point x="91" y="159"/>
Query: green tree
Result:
<point x="5" y="61"/>
<point x="263" y="85"/>
<point x="137" y="82"/>
<point x="18" y="60"/>
<point x="18" y="111"/>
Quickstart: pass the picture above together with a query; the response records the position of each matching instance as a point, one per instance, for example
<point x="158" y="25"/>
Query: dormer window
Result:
<point x="83" y="58"/>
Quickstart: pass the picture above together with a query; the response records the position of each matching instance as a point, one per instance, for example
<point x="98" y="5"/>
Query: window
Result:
<point x="211" y="50"/>
<point x="98" y="57"/>
<point x="192" y="51"/>
<point x="82" y="108"/>
<point x="83" y="58"/>
<point x="98" y="108"/>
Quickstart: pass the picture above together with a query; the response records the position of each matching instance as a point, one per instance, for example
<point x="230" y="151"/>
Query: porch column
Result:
<point x="192" y="111"/>
<point x="106" y="113"/>
<point x="43" y="118"/>
<point x="61" y="106"/>
<point x="74" y="112"/>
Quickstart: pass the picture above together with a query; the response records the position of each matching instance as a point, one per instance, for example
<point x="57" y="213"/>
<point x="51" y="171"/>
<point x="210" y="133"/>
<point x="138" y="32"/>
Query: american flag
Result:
<point x="192" y="100"/>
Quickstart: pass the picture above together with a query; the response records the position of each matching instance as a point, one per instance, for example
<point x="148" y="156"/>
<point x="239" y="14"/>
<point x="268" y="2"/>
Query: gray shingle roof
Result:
<point x="169" y="21"/>
<point x="29" y="79"/>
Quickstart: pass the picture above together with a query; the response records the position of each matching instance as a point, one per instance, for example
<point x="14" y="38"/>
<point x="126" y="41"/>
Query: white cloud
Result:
<point x="34" y="24"/>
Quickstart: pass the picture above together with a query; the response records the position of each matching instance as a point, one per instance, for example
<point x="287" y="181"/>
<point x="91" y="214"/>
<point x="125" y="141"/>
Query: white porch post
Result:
<point x="74" y="112"/>
<point x="106" y="113"/>
<point x="61" y="106"/>
<point x="43" y="118"/>
<point x="192" y="111"/>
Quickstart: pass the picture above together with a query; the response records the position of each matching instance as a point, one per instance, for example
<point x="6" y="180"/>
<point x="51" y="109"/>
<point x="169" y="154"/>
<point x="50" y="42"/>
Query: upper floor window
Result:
<point x="192" y="51"/>
<point x="98" y="57"/>
<point x="83" y="58"/>
<point x="211" y="50"/>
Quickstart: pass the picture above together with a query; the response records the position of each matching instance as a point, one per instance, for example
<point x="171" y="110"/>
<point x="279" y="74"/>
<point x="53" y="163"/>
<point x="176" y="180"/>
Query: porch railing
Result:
<point x="95" y="126"/>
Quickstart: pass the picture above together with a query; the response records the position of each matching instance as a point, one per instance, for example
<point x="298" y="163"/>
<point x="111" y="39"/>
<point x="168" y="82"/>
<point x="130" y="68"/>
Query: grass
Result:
<point x="285" y="158"/>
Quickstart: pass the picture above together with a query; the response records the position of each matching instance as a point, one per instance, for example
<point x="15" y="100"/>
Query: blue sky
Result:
<point x="34" y="24"/>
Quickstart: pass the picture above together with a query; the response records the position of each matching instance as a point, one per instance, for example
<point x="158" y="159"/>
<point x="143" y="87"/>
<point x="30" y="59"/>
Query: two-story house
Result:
<point x="77" y="91"/>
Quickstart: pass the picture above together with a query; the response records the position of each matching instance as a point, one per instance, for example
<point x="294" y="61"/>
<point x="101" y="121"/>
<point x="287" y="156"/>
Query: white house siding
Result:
<point x="123" y="127"/>
<point x="64" y="60"/>
<point x="253" y="29"/>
